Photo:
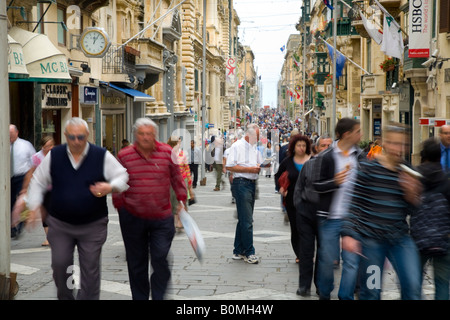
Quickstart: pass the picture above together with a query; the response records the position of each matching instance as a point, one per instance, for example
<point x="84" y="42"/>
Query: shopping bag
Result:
<point x="193" y="233"/>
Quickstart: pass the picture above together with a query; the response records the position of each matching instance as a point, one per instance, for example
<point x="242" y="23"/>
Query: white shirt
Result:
<point x="23" y="151"/>
<point x="341" y="199"/>
<point x="115" y="174"/>
<point x="244" y="154"/>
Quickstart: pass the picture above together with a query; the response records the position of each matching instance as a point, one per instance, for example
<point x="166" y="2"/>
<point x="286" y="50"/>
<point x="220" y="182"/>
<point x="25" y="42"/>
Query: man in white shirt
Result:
<point x="81" y="175"/>
<point x="21" y="153"/>
<point x="218" y="158"/>
<point x="244" y="161"/>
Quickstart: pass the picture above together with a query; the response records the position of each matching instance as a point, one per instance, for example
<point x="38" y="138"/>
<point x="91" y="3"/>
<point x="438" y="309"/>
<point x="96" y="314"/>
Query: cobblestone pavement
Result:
<point x="217" y="277"/>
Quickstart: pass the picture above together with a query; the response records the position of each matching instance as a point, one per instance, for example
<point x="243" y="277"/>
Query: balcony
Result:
<point x="372" y="84"/>
<point x="319" y="78"/>
<point x="89" y="5"/>
<point x="344" y="28"/>
<point x="120" y="59"/>
<point x="412" y="63"/>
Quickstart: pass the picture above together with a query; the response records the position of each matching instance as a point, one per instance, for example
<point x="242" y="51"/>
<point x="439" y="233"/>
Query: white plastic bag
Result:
<point x="193" y="233"/>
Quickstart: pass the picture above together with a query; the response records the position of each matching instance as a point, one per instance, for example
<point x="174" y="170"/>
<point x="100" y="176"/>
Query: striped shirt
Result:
<point x="150" y="180"/>
<point x="377" y="208"/>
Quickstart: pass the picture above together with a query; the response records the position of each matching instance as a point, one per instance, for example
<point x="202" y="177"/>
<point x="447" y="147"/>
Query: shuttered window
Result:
<point x="444" y="16"/>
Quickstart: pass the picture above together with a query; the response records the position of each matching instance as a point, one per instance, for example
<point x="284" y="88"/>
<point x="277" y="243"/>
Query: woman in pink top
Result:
<point x="179" y="156"/>
<point x="47" y="143"/>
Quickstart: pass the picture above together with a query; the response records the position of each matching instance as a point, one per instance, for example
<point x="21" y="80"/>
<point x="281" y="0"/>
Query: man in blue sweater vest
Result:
<point x="80" y="175"/>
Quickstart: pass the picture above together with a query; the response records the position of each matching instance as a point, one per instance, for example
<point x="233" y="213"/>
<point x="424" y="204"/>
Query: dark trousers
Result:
<point x="143" y="237"/>
<point x="89" y="239"/>
<point x="16" y="187"/>
<point x="194" y="171"/>
<point x="295" y="236"/>
<point x="307" y="228"/>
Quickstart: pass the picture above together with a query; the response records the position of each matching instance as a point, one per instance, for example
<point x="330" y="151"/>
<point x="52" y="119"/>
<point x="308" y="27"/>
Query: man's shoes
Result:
<point x="252" y="259"/>
<point x="216" y="189"/>
<point x="303" y="292"/>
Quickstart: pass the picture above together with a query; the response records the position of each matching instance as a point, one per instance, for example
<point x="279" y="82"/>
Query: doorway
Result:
<point x="113" y="132"/>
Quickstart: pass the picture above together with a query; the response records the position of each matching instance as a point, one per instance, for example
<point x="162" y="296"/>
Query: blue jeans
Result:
<point x="404" y="257"/>
<point x="329" y="238"/>
<point x="244" y="191"/>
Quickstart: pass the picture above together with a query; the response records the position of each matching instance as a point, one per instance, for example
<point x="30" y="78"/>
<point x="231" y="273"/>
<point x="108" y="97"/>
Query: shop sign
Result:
<point x="113" y="100"/>
<point x="88" y="95"/>
<point x="56" y="96"/>
<point x="426" y="121"/>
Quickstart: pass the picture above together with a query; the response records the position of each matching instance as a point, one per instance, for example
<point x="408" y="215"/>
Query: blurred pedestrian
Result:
<point x="444" y="135"/>
<point x="47" y="144"/>
<point x="180" y="158"/>
<point x="21" y="152"/>
<point x="298" y="153"/>
<point x="195" y="157"/>
<point x="337" y="167"/>
<point x="145" y="214"/>
<point x="244" y="161"/>
<point x="305" y="202"/>
<point x="268" y="156"/>
<point x="217" y="144"/>
<point x="80" y="175"/>
<point x="430" y="222"/>
<point x="376" y="227"/>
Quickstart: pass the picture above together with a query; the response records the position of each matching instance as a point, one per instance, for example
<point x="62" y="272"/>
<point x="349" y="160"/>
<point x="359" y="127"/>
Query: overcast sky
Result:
<point x="265" y="27"/>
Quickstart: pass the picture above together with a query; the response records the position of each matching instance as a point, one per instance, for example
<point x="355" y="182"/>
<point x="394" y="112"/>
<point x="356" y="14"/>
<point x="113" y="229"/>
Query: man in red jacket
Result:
<point x="146" y="219"/>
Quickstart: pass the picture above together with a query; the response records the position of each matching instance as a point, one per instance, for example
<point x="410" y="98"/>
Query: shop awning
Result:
<point x="137" y="96"/>
<point x="16" y="64"/>
<point x="44" y="62"/>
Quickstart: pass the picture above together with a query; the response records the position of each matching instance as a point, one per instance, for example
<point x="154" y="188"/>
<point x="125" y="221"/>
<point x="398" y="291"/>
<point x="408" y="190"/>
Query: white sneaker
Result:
<point x="251" y="259"/>
<point x="238" y="256"/>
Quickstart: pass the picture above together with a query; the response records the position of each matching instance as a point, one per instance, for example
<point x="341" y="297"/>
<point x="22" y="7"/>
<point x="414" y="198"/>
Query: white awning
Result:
<point x="16" y="63"/>
<point x="44" y="62"/>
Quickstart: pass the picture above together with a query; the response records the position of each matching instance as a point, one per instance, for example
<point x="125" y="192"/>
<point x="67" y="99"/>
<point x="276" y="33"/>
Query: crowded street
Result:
<point x="217" y="277"/>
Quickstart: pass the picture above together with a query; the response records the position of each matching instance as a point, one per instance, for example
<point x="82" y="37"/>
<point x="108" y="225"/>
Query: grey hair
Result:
<point x="251" y="129"/>
<point x="324" y="136"/>
<point x="140" y="122"/>
<point x="76" y="121"/>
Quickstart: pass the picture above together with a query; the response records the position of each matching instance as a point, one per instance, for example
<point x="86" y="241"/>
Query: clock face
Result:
<point x="94" y="42"/>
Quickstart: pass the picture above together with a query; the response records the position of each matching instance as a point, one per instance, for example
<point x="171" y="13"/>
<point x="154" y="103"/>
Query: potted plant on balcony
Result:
<point x="388" y="65"/>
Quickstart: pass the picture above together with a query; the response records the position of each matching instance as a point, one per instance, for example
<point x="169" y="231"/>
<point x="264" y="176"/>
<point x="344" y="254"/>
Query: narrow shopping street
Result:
<point x="217" y="277"/>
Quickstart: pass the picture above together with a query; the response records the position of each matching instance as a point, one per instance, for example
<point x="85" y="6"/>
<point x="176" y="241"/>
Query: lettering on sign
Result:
<point x="54" y="67"/>
<point x="56" y="96"/>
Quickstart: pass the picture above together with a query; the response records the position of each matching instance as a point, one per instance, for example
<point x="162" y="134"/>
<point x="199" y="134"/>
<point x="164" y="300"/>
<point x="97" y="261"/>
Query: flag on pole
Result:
<point x="296" y="60"/>
<point x="340" y="60"/>
<point x="283" y="48"/>
<point x="241" y="84"/>
<point x="373" y="32"/>
<point x="392" y="44"/>
<point x="328" y="4"/>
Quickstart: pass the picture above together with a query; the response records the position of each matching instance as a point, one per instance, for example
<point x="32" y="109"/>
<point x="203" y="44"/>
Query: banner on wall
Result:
<point x="420" y="26"/>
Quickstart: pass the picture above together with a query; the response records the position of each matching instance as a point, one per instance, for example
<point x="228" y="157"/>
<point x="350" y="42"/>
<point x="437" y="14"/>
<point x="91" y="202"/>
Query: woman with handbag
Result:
<point x="299" y="151"/>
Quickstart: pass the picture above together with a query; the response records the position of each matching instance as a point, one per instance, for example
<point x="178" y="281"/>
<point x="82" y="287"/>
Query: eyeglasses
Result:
<point x="79" y="137"/>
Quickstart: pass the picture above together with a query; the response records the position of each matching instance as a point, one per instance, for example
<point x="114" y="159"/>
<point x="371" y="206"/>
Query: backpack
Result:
<point x="430" y="224"/>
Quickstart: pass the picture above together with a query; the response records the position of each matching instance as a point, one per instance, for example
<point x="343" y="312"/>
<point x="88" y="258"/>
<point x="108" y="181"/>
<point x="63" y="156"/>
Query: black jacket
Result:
<point x="325" y="184"/>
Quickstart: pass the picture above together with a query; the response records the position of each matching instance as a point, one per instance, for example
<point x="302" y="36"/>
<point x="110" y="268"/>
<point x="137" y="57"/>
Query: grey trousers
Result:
<point x="89" y="239"/>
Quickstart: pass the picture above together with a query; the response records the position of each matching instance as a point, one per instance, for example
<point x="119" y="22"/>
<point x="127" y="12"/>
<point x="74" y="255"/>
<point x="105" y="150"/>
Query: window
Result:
<point x="61" y="16"/>
<point x="444" y="17"/>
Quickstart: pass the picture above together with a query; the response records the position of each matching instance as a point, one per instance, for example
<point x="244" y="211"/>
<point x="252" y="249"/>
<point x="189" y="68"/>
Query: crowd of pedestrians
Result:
<point x="345" y="206"/>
